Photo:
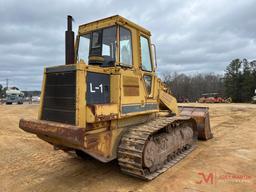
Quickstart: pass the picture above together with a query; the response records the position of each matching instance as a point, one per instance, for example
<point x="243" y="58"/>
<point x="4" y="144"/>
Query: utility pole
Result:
<point x="7" y="83"/>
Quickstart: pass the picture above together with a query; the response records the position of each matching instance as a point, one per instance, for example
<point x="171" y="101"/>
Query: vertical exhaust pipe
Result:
<point x="69" y="42"/>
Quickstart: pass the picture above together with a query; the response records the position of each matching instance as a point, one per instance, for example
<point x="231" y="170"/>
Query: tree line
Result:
<point x="238" y="82"/>
<point x="192" y="87"/>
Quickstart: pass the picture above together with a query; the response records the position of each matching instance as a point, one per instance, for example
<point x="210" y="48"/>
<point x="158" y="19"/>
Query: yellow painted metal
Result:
<point x="90" y="116"/>
<point x="169" y="101"/>
<point x="103" y="109"/>
<point x="42" y="96"/>
<point x="109" y="21"/>
<point x="80" y="96"/>
<point x="101" y="112"/>
<point x="115" y="87"/>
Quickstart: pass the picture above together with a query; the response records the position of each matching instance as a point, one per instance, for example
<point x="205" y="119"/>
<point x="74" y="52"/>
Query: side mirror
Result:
<point x="153" y="48"/>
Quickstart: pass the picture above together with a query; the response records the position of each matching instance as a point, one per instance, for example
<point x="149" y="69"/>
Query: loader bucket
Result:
<point x="201" y="116"/>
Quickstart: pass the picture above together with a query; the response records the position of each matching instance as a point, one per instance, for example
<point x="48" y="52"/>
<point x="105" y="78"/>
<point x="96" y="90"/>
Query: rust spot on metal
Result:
<point x="99" y="125"/>
<point x="66" y="133"/>
<point x="99" y="144"/>
<point x="104" y="112"/>
<point x="106" y="117"/>
<point x="92" y="141"/>
<point x="201" y="117"/>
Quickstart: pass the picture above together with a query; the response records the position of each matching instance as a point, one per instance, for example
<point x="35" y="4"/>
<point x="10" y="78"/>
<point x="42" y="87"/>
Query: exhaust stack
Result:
<point x="69" y="42"/>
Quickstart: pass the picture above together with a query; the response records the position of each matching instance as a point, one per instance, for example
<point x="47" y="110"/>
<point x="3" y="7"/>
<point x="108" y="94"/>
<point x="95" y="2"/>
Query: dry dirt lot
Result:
<point x="226" y="163"/>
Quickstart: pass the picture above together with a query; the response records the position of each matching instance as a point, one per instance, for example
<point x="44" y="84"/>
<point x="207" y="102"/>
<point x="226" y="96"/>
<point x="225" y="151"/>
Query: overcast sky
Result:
<point x="191" y="36"/>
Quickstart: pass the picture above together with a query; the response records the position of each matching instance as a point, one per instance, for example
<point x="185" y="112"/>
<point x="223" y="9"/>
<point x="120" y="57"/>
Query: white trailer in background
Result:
<point x="14" y="95"/>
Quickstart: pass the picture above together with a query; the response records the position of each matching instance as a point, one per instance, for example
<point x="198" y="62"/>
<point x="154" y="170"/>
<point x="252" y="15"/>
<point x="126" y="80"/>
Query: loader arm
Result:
<point x="169" y="101"/>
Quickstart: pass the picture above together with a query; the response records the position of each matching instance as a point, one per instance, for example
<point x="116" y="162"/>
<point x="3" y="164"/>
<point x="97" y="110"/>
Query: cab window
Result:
<point x="109" y="43"/>
<point x="148" y="83"/>
<point x="84" y="47"/>
<point x="146" y="64"/>
<point x="98" y="47"/>
<point x="125" y="47"/>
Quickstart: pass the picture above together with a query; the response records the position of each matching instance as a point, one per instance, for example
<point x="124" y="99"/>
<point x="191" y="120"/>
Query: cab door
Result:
<point x="147" y="73"/>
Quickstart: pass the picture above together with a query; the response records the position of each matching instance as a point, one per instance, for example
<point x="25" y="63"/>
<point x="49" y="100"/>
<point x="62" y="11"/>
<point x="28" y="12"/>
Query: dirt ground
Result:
<point x="226" y="163"/>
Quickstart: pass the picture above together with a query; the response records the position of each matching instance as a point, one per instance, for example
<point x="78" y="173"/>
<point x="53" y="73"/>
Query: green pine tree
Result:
<point x="233" y="79"/>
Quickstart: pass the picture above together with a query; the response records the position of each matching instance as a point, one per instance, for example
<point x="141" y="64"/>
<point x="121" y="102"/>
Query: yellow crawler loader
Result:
<point x="107" y="102"/>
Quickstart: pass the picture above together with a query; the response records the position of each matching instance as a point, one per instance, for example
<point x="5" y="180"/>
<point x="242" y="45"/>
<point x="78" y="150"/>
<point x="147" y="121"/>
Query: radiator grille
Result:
<point x="59" y="103"/>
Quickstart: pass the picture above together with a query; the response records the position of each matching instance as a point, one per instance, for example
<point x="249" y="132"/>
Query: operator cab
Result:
<point x="112" y="41"/>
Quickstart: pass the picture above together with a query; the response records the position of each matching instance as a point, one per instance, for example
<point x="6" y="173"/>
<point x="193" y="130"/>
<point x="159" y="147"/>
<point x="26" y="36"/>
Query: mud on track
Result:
<point x="225" y="163"/>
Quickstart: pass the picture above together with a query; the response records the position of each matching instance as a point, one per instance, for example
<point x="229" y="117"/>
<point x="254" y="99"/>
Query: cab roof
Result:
<point x="105" y="22"/>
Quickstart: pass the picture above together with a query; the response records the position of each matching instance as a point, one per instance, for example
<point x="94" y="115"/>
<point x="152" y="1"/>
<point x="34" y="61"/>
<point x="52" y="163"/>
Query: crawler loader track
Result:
<point x="147" y="150"/>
